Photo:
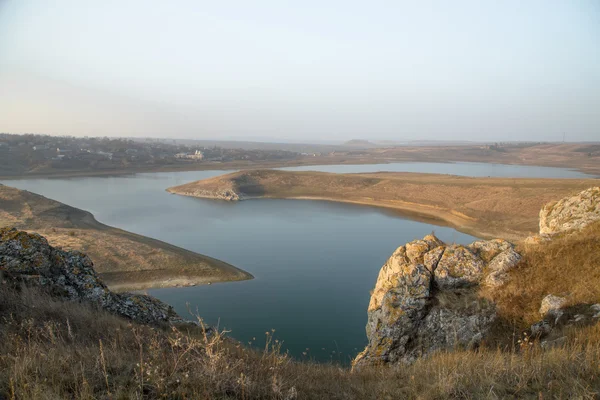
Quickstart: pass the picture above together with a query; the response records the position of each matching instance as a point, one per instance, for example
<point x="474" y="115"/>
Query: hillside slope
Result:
<point x="124" y="260"/>
<point x="431" y="296"/>
<point x="53" y="349"/>
<point x="485" y="207"/>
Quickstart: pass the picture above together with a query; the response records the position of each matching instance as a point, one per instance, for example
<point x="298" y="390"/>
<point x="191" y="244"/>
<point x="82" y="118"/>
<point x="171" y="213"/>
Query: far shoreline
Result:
<point x="226" y="167"/>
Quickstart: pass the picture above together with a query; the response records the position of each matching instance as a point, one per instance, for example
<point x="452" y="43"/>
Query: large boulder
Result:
<point x="70" y="274"/>
<point x="571" y="213"/>
<point x="426" y="298"/>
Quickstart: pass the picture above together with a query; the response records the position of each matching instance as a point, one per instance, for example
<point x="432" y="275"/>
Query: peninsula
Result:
<point x="484" y="207"/>
<point x="124" y="260"/>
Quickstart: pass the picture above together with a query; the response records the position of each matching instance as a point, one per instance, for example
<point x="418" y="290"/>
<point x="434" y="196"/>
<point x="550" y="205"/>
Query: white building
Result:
<point x="197" y="155"/>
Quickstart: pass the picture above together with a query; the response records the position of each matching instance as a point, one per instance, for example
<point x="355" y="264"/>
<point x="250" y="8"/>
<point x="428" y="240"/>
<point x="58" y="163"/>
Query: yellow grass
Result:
<point x="568" y="266"/>
<point x="50" y="349"/>
<point x="485" y="207"/>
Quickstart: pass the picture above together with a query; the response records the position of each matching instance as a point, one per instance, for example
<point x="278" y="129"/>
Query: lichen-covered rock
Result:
<point x="458" y="267"/>
<point x="571" y="213"/>
<point x="71" y="275"/>
<point x="221" y="194"/>
<point x="551" y="304"/>
<point x="500" y="265"/>
<point x="488" y="249"/>
<point x="425" y="299"/>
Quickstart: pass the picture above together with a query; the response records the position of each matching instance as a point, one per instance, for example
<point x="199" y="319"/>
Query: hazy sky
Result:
<point x="302" y="70"/>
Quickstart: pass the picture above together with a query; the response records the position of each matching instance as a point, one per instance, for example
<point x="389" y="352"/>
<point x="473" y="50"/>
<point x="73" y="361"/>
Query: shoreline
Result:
<point x="482" y="207"/>
<point x="594" y="173"/>
<point x="413" y="211"/>
<point x="123" y="259"/>
<point x="164" y="283"/>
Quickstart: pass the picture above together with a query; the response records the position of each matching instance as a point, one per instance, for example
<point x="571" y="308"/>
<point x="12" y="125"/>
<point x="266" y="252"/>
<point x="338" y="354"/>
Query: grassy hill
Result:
<point x="125" y="261"/>
<point x="53" y="349"/>
<point x="484" y="207"/>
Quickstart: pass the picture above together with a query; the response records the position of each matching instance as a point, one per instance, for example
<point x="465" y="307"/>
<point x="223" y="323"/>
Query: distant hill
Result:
<point x="360" y="143"/>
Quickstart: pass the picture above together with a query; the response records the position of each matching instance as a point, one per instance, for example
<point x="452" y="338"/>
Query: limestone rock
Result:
<point x="500" y="265"/>
<point x="71" y="275"/>
<point x="425" y="299"/>
<point x="488" y="249"/>
<point x="220" y="194"/>
<point x="571" y="213"/>
<point x="551" y="304"/>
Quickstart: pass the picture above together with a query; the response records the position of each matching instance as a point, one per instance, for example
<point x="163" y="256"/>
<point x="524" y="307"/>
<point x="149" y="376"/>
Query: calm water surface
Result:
<point x="314" y="262"/>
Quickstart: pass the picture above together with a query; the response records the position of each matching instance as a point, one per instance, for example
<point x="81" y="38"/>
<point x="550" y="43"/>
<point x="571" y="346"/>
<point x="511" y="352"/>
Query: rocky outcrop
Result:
<point x="571" y="213"/>
<point x="500" y="265"/>
<point x="70" y="274"/>
<point x="557" y="317"/>
<point x="426" y="298"/>
<point x="224" y="194"/>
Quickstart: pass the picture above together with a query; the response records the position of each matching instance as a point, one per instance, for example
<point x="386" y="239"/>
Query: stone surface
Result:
<point x="69" y="274"/>
<point x="225" y="194"/>
<point x="488" y="249"/>
<point x="500" y="265"/>
<point x="551" y="304"/>
<point x="426" y="299"/>
<point x="541" y="329"/>
<point x="571" y="213"/>
<point x="458" y="267"/>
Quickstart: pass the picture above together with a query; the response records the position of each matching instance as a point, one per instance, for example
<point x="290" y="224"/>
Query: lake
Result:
<point x="457" y="168"/>
<point x="314" y="262"/>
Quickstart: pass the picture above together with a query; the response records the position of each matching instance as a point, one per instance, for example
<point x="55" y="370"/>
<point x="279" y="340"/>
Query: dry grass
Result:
<point x="568" y="266"/>
<point x="486" y="207"/>
<point x="584" y="157"/>
<point x="54" y="350"/>
<point x="50" y="349"/>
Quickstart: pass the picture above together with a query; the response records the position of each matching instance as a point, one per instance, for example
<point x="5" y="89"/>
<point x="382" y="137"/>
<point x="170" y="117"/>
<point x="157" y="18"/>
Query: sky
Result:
<point x="306" y="70"/>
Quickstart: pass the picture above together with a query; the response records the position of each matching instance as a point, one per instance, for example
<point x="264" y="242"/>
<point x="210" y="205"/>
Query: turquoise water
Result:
<point x="314" y="262"/>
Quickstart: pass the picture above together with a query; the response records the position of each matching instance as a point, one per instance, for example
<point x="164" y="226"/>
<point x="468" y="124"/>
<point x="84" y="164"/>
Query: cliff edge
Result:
<point x="571" y="213"/>
<point x="426" y="298"/>
<point x="27" y="257"/>
<point x="428" y="294"/>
